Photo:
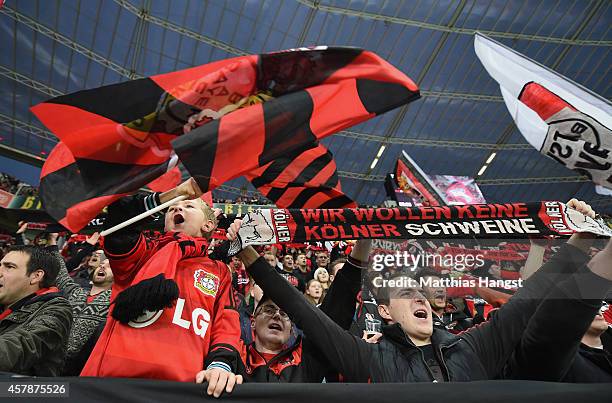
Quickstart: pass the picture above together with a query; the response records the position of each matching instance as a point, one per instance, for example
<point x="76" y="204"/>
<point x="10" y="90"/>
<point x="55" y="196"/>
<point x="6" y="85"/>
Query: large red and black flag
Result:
<point x="310" y="94"/>
<point x="116" y="139"/>
<point x="223" y="119"/>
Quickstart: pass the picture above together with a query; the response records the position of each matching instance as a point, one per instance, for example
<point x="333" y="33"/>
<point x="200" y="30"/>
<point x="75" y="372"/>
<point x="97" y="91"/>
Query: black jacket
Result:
<point x="479" y="353"/>
<point x="590" y="365"/>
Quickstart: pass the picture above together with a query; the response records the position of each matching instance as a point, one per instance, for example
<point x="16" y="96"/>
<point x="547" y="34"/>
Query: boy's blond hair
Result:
<point x="209" y="214"/>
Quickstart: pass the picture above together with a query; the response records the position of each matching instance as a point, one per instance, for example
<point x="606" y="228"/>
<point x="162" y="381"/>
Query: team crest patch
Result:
<point x="206" y="282"/>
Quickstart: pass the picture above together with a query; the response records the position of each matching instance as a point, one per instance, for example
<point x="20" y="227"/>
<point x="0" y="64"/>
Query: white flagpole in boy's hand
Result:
<point x="186" y="190"/>
<point x="142" y="215"/>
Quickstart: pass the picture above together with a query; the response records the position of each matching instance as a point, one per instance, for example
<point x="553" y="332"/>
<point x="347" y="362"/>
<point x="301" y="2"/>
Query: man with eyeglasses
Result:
<point x="279" y="353"/>
<point x="269" y="358"/>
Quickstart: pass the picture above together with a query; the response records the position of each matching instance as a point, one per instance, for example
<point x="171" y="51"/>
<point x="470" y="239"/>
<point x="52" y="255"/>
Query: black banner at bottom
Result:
<point x="140" y="390"/>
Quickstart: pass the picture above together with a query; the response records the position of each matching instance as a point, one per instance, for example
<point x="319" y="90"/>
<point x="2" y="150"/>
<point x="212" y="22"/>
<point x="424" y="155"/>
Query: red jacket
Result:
<point x="287" y="366"/>
<point x="173" y="343"/>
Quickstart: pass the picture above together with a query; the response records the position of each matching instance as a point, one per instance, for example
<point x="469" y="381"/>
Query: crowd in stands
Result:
<point x="8" y="183"/>
<point x="288" y="312"/>
<point x="255" y="200"/>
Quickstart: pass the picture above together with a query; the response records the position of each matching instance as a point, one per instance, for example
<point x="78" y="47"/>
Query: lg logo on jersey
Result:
<point x="200" y="319"/>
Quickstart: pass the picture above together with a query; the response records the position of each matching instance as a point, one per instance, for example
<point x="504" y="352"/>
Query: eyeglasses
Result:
<point x="604" y="307"/>
<point x="270" y="311"/>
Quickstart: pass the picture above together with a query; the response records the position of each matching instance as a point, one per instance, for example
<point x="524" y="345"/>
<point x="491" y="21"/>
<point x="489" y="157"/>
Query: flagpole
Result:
<point x="142" y="215"/>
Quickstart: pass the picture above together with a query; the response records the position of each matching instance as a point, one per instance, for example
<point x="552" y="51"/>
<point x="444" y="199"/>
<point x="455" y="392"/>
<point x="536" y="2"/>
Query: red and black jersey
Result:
<point x="173" y="343"/>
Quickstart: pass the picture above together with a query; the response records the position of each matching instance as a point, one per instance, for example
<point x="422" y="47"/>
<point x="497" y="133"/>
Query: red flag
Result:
<point x="207" y="197"/>
<point x="309" y="94"/>
<point x="116" y="139"/>
<point x="64" y="183"/>
<point x="120" y="136"/>
<point x="167" y="181"/>
<point x="307" y="179"/>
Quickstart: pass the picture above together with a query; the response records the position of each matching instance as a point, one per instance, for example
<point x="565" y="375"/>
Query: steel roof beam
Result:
<point x="432" y="143"/>
<point x="26" y="127"/>
<point x="69" y="43"/>
<point x="29" y="82"/>
<point x="22" y="156"/>
<point x="482" y="182"/>
<point x="181" y="30"/>
<point x="450" y="29"/>
<point x="531" y="181"/>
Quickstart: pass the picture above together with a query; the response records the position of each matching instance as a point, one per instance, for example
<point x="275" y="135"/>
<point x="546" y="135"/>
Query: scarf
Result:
<point x="25" y="300"/>
<point x="153" y="287"/>
<point x="499" y="221"/>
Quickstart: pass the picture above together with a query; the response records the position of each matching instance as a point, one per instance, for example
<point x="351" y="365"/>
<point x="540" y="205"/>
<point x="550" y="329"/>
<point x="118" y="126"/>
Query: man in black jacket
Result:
<point x="411" y="350"/>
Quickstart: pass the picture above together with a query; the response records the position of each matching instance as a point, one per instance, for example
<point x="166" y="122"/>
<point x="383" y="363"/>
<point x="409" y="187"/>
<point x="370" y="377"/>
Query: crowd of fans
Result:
<point x="287" y="312"/>
<point x="8" y="183"/>
<point x="255" y="200"/>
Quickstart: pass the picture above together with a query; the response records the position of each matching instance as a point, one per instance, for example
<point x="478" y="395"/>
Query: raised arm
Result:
<point x="339" y="303"/>
<point x="494" y="341"/>
<point x="535" y="258"/>
<point x="551" y="340"/>
<point x="580" y="240"/>
<point x="72" y="291"/>
<point x="90" y="246"/>
<point x="349" y="355"/>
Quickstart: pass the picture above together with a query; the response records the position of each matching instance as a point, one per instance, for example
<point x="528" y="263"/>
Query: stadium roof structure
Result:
<point x="53" y="47"/>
